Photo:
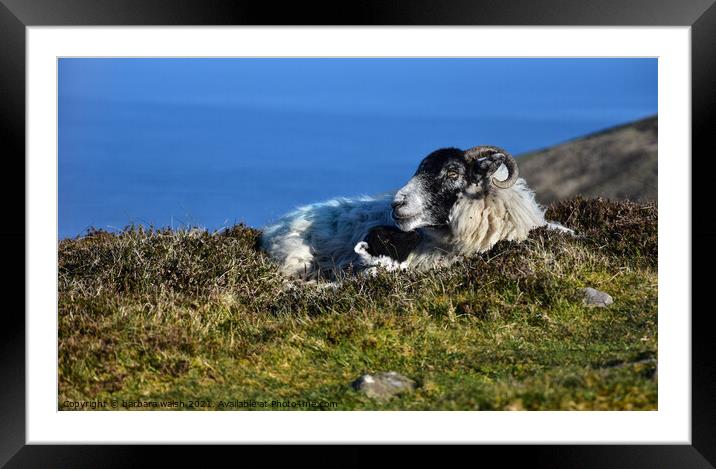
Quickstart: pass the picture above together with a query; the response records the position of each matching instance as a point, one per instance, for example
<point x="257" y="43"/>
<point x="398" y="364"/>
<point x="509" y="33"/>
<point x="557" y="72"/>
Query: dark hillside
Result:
<point x="617" y="163"/>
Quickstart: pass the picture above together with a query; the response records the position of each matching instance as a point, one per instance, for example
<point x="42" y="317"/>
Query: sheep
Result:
<point x="453" y="206"/>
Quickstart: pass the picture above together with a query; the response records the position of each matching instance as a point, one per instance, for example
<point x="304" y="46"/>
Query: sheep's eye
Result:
<point x="452" y="174"/>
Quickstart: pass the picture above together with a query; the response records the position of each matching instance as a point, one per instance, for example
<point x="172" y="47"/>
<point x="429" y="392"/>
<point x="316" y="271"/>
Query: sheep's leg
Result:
<point x="558" y="227"/>
<point x="391" y="242"/>
<point x="387" y="247"/>
<point x="370" y="263"/>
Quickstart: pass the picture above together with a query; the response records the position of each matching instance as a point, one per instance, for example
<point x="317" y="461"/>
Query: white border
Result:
<point x="670" y="424"/>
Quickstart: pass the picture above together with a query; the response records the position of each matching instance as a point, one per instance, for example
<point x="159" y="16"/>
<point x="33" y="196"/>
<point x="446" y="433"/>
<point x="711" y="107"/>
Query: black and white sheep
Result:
<point x="454" y="205"/>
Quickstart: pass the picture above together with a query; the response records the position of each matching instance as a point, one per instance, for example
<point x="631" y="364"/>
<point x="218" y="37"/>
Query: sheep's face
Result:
<point x="441" y="179"/>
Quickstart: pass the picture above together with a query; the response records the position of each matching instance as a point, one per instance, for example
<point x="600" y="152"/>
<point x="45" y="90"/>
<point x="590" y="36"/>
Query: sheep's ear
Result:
<point x="482" y="165"/>
<point x="484" y="161"/>
<point x="488" y="165"/>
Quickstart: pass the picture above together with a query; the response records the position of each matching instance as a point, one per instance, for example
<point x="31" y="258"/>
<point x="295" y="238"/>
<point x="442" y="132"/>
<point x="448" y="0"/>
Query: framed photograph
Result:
<point x="458" y="223"/>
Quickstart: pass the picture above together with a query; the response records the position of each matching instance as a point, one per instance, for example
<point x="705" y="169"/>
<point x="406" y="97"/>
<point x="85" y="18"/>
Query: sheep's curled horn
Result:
<point x="493" y="157"/>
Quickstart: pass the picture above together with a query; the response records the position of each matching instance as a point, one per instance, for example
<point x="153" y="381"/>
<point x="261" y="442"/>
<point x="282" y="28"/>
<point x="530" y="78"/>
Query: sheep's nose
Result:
<point x="397" y="204"/>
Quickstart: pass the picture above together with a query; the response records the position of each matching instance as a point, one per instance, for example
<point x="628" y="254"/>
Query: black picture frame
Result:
<point x="16" y="15"/>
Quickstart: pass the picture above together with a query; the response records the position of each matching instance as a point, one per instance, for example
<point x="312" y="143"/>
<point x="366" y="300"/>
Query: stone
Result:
<point x="596" y="298"/>
<point x="383" y="386"/>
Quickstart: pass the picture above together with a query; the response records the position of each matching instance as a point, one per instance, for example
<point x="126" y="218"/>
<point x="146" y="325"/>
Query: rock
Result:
<point x="384" y="385"/>
<point x="593" y="297"/>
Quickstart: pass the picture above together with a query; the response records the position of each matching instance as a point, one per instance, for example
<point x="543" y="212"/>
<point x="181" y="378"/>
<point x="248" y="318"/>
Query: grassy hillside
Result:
<point x="189" y="315"/>
<point x="616" y="163"/>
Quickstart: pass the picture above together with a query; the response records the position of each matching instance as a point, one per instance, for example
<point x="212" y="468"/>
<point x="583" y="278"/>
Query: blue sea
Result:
<point x="214" y="142"/>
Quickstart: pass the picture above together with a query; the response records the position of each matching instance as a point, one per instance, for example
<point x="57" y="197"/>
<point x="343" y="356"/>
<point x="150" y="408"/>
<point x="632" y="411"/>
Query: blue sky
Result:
<point x="212" y="142"/>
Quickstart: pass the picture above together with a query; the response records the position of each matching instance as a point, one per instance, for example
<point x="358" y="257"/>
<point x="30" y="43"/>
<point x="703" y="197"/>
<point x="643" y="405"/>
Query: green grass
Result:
<point x="157" y="315"/>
